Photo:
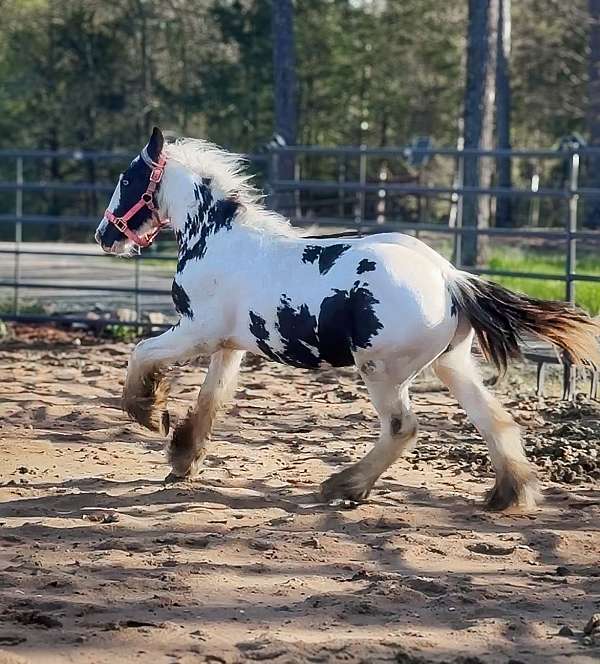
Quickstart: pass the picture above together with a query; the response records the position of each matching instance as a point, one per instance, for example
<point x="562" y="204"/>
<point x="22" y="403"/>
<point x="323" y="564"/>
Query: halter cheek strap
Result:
<point x="146" y="200"/>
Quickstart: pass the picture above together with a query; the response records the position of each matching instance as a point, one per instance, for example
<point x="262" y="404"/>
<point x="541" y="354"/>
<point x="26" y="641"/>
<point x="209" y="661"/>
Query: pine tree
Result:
<point x="482" y="35"/>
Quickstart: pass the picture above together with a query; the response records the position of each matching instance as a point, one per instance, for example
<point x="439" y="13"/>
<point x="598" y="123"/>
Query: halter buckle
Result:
<point x="157" y="173"/>
<point x="121" y="224"/>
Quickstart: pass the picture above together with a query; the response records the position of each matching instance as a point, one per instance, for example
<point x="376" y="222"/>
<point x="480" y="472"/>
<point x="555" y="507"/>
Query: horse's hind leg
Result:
<point x="190" y="438"/>
<point x="515" y="479"/>
<point x="388" y="388"/>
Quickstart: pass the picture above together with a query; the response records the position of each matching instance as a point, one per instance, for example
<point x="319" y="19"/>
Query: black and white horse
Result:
<point x="388" y="304"/>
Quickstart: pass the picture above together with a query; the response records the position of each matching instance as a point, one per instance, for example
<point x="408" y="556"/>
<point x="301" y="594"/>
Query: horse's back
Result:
<point x="410" y="282"/>
<point x="378" y="294"/>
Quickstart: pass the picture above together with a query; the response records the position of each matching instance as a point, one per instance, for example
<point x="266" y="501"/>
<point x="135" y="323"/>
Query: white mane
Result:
<point x="227" y="171"/>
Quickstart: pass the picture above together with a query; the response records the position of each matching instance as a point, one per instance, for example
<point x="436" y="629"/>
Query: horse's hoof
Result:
<point x="349" y="485"/>
<point x="505" y="497"/>
<point x="173" y="478"/>
<point x="515" y="488"/>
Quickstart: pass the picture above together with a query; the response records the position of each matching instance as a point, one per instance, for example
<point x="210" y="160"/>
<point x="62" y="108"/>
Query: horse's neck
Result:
<point x="192" y="202"/>
<point x="180" y="193"/>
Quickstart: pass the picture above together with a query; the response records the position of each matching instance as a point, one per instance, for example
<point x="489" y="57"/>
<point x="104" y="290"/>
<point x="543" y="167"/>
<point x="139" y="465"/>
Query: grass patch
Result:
<point x="32" y="307"/>
<point x="126" y="333"/>
<point x="587" y="294"/>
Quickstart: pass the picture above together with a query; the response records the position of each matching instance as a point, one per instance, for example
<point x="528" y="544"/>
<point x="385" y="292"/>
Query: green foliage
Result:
<point x="98" y="73"/>
<point x="387" y="69"/>
<point x="125" y="333"/>
<point x="587" y="294"/>
<point x="26" y="306"/>
<point x="548" y="70"/>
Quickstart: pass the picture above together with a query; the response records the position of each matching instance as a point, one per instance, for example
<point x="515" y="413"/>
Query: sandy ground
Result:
<point x="102" y="562"/>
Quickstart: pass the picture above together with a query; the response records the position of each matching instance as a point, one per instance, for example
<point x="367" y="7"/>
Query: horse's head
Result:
<point x="132" y="217"/>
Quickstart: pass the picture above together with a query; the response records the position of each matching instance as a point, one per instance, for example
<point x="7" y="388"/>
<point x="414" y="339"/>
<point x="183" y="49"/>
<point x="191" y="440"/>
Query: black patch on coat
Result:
<point x="297" y="328"/>
<point x="259" y="331"/>
<point x="366" y="324"/>
<point x="327" y="255"/>
<point x="181" y="300"/>
<point x="365" y="265"/>
<point x="210" y="218"/>
<point x="311" y="253"/>
<point x="346" y="322"/>
<point x="335" y="330"/>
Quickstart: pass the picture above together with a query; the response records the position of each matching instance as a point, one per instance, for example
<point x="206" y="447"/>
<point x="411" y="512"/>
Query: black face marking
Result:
<point x="137" y="176"/>
<point x="346" y="322"/>
<point x="210" y="218"/>
<point x="327" y="255"/>
<point x="365" y="265"/>
<point x="396" y="425"/>
<point x="448" y="349"/>
<point x="181" y="300"/>
<point x="132" y="185"/>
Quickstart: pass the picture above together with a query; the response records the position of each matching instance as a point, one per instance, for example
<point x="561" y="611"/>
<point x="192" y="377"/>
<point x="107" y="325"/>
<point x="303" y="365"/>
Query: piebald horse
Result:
<point x="388" y="304"/>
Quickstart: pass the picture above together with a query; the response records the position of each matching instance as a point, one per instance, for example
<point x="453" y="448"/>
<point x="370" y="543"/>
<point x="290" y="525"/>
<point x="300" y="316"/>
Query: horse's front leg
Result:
<point x="190" y="438"/>
<point x="146" y="388"/>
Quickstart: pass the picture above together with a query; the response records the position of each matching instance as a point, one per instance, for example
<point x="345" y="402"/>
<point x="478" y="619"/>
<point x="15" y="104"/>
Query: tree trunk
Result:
<point x="503" y="108"/>
<point x="478" y="121"/>
<point x="145" y="80"/>
<point x="592" y="205"/>
<point x="284" y="70"/>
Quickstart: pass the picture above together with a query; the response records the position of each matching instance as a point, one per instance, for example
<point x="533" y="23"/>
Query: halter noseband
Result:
<point x="146" y="200"/>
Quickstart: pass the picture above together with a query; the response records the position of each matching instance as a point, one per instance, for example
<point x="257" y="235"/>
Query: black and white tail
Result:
<point x="501" y="317"/>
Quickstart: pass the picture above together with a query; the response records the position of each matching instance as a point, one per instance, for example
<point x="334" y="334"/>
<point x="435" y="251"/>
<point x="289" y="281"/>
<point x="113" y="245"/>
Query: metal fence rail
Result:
<point x="279" y="187"/>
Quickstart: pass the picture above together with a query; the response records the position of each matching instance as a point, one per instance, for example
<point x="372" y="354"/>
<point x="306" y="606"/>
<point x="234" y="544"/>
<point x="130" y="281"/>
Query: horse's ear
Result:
<point x="155" y="144"/>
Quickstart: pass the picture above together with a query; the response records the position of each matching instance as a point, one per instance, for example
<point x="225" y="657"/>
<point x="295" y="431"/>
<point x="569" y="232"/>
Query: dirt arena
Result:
<point x="100" y="561"/>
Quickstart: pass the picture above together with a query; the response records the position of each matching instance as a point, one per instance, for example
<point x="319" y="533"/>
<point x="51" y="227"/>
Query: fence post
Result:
<point x="458" y="219"/>
<point x="571" y="226"/>
<point x="297" y="202"/>
<point x="18" y="231"/>
<point x="136" y="277"/>
<point x="341" y="178"/>
<point x="273" y="176"/>
<point x="382" y="194"/>
<point x="359" y="215"/>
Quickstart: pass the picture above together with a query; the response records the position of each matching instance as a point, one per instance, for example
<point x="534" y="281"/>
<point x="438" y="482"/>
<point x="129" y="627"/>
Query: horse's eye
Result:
<point x="124" y="182"/>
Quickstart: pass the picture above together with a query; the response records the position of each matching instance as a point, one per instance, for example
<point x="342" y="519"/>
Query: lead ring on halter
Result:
<point x="146" y="200"/>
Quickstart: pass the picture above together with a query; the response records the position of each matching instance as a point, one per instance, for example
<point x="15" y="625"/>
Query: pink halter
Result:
<point x="147" y="200"/>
